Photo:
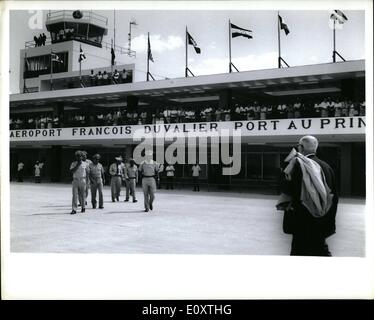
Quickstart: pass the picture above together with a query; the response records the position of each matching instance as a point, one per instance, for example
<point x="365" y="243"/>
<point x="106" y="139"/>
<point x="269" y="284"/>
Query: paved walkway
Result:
<point x="183" y="222"/>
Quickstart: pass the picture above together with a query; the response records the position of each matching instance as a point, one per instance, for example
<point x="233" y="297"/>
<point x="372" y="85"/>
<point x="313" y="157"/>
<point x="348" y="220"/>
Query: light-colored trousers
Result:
<point x="79" y="190"/>
<point x="87" y="190"/>
<point x="97" y="186"/>
<point x="115" y="186"/>
<point x="149" y="189"/>
<point x="130" y="187"/>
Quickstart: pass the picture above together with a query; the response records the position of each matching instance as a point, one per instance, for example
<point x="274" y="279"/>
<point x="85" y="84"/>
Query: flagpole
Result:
<point x="230" y="70"/>
<point x="185" y="71"/>
<point x="51" y="83"/>
<point x="111" y="58"/>
<point x="334" y="43"/>
<point x="114" y="29"/>
<point x="24" y="73"/>
<point x="279" y="45"/>
<point x="148" y="59"/>
<point x="80" y="63"/>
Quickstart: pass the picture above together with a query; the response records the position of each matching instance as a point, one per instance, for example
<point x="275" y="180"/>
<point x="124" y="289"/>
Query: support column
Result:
<point x="56" y="163"/>
<point x="58" y="110"/>
<point x="346" y="169"/>
<point x="225" y="98"/>
<point x="128" y="151"/>
<point x="132" y="102"/>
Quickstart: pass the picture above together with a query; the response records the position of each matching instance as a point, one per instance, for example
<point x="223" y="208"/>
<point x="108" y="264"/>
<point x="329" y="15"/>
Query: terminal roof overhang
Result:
<point x="273" y="82"/>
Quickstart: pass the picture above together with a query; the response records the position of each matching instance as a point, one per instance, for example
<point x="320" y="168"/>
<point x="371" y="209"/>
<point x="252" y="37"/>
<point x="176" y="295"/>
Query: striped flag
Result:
<point x="192" y="42"/>
<point x="82" y="56"/>
<point x="283" y="25"/>
<point x="56" y="58"/>
<point x="338" y="16"/>
<point x="240" y="32"/>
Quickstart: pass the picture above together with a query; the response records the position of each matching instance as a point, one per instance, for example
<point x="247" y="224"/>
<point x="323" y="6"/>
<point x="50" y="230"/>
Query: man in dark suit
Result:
<point x="309" y="232"/>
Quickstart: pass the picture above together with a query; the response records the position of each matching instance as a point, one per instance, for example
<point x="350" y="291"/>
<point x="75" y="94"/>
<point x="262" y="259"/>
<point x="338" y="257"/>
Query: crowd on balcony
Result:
<point x="103" y="77"/>
<point x="253" y="111"/>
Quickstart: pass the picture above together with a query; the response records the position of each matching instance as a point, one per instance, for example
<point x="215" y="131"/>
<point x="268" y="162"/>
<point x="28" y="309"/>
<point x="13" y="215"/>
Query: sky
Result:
<point x="309" y="40"/>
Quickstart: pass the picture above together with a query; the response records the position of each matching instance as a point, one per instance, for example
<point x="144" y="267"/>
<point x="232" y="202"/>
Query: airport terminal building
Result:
<point x="64" y="107"/>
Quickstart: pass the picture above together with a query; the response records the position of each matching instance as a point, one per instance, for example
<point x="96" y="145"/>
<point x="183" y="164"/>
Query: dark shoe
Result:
<point x="83" y="210"/>
<point x="101" y="207"/>
<point x="126" y="200"/>
<point x="134" y="200"/>
<point x="146" y="210"/>
<point x="151" y="206"/>
<point x="117" y="198"/>
<point x="113" y="200"/>
<point x="73" y="212"/>
<point x="94" y="206"/>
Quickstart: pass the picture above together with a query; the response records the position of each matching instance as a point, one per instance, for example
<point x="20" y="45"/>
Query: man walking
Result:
<point x="149" y="170"/>
<point x="37" y="172"/>
<point x="97" y="180"/>
<point x="116" y="170"/>
<point x="131" y="176"/>
<point x="170" y="173"/>
<point x="20" y="167"/>
<point x="310" y="212"/>
<point x="195" y="177"/>
<point x="79" y="169"/>
<point x="88" y="162"/>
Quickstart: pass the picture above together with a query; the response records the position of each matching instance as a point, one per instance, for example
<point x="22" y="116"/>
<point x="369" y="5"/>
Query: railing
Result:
<point x="32" y="44"/>
<point x="87" y="16"/>
<point x="104" y="45"/>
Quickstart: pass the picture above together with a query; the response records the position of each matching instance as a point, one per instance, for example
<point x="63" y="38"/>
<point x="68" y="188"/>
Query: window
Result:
<point x="254" y="166"/>
<point x="271" y="166"/>
<point x="36" y="66"/>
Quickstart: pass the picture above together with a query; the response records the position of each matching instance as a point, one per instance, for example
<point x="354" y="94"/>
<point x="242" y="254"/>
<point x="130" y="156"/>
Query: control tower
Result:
<point x="83" y="26"/>
<point x="69" y="33"/>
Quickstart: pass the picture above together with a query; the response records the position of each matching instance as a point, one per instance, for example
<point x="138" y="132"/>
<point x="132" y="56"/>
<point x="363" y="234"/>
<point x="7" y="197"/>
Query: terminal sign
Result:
<point x="287" y="127"/>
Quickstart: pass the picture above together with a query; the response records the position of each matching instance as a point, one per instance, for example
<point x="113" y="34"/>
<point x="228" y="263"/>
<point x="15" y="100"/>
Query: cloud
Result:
<point x="158" y="44"/>
<point x="266" y="60"/>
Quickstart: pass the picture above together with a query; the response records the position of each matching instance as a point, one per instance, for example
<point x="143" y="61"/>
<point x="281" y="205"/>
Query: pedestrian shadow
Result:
<point x="55" y="206"/>
<point x="124" y="212"/>
<point x="49" y="214"/>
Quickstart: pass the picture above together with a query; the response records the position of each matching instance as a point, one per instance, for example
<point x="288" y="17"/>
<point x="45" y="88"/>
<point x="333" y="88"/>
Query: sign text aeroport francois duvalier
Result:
<point x="314" y="126"/>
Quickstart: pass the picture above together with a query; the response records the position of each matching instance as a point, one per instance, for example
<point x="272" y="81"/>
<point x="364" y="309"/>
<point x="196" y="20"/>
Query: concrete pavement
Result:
<point x="183" y="222"/>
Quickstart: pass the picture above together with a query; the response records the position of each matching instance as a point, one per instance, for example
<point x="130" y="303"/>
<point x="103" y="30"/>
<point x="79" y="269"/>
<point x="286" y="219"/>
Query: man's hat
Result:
<point x="119" y="158"/>
<point x="96" y="156"/>
<point x="78" y="153"/>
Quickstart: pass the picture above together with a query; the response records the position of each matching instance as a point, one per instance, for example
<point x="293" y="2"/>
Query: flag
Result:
<point x="240" y="32"/>
<point x="27" y="64"/>
<point x="55" y="57"/>
<point x="283" y="26"/>
<point x="150" y="57"/>
<point x="82" y="56"/>
<point x="339" y="16"/>
<point x="113" y="56"/>
<point x="191" y="41"/>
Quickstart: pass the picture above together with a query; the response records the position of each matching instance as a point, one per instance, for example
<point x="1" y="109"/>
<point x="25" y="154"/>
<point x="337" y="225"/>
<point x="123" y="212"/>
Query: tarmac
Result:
<point x="182" y="222"/>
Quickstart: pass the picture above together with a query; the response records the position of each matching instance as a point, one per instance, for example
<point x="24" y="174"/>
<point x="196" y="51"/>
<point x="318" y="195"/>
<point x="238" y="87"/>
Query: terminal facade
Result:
<point x="270" y="109"/>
